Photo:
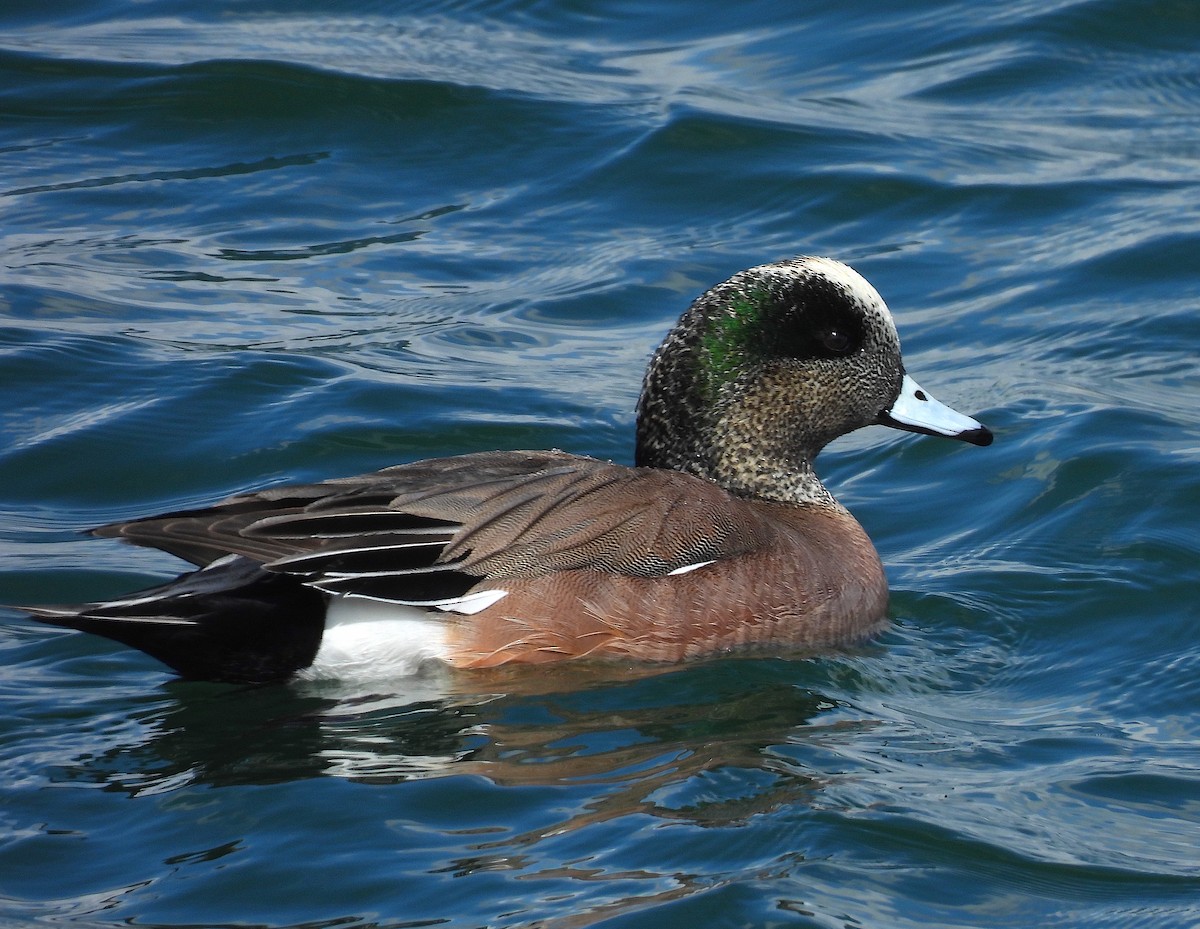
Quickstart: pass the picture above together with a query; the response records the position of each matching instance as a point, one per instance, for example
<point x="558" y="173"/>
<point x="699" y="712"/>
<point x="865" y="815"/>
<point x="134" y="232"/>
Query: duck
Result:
<point x="719" y="539"/>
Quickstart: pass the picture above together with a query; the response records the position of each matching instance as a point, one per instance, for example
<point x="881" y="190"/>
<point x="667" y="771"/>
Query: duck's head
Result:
<point x="767" y="368"/>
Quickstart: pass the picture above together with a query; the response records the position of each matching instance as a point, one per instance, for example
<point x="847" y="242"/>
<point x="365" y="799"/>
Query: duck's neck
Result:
<point x="742" y="464"/>
<point x="765" y="478"/>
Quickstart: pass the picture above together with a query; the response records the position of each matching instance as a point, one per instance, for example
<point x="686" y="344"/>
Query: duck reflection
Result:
<point x="709" y="744"/>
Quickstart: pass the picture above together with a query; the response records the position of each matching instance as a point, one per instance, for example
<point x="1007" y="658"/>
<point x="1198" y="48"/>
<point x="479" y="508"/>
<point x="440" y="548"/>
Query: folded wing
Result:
<point x="431" y="530"/>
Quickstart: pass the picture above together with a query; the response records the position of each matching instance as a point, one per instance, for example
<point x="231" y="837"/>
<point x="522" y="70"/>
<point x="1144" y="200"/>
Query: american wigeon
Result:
<point x="721" y="538"/>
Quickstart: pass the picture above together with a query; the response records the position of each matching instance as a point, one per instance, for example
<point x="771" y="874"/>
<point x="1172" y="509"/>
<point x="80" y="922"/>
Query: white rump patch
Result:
<point x="370" y="639"/>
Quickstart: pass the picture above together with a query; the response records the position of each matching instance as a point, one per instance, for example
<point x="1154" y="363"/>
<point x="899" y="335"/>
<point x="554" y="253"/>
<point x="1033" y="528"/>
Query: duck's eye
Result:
<point x="836" y="341"/>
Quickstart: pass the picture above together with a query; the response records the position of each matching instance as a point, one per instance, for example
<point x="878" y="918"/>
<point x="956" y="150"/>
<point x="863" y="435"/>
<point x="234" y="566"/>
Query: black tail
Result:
<point x="231" y="621"/>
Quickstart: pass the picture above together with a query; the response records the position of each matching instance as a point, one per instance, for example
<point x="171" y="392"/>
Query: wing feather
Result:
<point x="431" y="530"/>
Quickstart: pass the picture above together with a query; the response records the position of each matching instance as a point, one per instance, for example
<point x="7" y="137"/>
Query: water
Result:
<point x="245" y="243"/>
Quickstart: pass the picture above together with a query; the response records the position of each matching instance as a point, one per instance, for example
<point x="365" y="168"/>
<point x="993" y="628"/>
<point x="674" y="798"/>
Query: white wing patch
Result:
<point x="688" y="568"/>
<point x="471" y="603"/>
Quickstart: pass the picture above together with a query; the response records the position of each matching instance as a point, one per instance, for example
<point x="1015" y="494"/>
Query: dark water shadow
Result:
<point x="694" y="744"/>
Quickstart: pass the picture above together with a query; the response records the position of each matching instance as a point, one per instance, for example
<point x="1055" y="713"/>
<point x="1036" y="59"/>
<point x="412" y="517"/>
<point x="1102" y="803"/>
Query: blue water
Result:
<point x="247" y="242"/>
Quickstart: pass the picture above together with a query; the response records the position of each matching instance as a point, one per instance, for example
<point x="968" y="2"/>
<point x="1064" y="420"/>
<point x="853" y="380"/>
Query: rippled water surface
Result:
<point x="247" y="242"/>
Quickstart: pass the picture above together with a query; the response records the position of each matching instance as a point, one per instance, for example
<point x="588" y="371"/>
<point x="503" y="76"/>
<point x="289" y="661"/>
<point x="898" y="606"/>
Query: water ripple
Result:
<point x="249" y="246"/>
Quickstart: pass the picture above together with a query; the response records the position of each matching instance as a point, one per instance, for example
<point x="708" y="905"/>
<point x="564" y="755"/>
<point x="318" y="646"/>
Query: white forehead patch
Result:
<point x="854" y="285"/>
<point x="847" y="278"/>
